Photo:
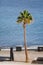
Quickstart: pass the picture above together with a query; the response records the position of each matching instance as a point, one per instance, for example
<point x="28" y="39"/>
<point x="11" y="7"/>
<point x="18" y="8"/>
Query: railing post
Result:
<point x="11" y="54"/>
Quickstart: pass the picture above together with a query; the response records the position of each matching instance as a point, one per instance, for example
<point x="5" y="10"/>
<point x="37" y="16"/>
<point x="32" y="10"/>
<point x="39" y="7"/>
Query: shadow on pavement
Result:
<point x="39" y="60"/>
<point x="3" y="58"/>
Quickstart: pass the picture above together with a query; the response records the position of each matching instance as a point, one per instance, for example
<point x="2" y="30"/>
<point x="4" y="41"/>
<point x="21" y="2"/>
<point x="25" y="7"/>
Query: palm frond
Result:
<point x="21" y="14"/>
<point x="19" y="20"/>
<point x="30" y="17"/>
<point x="19" y="17"/>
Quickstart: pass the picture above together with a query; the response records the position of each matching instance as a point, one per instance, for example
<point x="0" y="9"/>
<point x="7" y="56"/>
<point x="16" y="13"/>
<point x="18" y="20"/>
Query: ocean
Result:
<point x="11" y="33"/>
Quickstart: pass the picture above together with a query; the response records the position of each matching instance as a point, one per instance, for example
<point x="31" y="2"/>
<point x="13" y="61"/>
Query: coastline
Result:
<point x="34" y="47"/>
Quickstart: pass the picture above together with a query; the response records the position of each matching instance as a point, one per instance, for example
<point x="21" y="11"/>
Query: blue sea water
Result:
<point x="11" y="33"/>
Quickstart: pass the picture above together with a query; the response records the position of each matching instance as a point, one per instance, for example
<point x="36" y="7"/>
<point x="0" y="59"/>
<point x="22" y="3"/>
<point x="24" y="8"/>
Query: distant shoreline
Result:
<point x="34" y="47"/>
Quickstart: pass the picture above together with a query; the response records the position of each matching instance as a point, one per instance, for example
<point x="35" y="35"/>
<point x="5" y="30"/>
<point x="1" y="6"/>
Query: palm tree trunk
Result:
<point x="25" y="45"/>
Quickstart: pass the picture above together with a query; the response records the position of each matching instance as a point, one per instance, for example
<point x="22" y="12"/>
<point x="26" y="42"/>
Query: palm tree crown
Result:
<point x="24" y="17"/>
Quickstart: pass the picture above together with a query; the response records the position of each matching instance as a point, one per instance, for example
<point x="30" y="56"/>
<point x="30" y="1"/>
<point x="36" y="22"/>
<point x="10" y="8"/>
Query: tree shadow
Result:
<point x="3" y="58"/>
<point x="39" y="60"/>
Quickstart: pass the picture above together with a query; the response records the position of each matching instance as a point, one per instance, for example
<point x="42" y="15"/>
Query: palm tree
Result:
<point x="25" y="18"/>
